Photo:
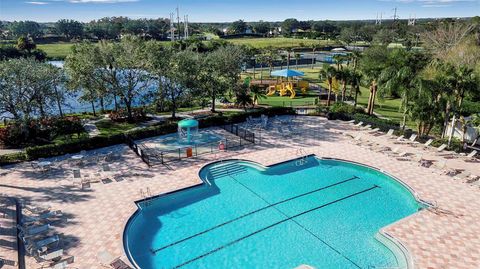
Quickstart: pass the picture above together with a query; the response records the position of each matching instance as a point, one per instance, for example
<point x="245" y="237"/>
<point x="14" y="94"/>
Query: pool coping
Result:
<point x="405" y="252"/>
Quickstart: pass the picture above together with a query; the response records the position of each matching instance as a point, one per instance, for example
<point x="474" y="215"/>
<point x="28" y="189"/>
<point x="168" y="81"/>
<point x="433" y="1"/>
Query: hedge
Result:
<point x="12" y="158"/>
<point x="383" y="124"/>
<point x="44" y="151"/>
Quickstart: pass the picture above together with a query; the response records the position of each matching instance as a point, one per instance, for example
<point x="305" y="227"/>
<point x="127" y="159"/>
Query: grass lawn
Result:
<point x="56" y="50"/>
<point x="280" y="42"/>
<point x="108" y="127"/>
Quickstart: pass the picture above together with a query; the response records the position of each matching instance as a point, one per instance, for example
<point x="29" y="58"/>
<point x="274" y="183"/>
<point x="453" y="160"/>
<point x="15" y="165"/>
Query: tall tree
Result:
<point x="372" y="64"/>
<point x="328" y="73"/>
<point x="69" y="28"/>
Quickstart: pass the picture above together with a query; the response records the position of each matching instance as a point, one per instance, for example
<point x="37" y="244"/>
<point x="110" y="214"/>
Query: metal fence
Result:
<point x="152" y="156"/>
<point x="140" y="150"/>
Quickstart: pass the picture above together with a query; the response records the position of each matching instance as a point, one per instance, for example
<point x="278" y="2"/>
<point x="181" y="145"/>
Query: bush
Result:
<point x="40" y="131"/>
<point x="50" y="150"/>
<point x="12" y="158"/>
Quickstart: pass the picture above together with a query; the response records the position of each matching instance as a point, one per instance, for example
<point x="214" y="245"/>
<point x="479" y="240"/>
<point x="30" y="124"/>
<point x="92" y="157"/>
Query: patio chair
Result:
<point x="472" y="179"/>
<point x="368" y="126"/>
<point x="105" y="167"/>
<point x="351" y="121"/>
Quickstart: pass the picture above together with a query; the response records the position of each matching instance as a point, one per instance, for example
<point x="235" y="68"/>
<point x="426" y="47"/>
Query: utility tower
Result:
<point x="412" y="20"/>
<point x="378" y="20"/>
<point x="185" y="18"/>
<point x="395" y="16"/>
<point x="172" y="28"/>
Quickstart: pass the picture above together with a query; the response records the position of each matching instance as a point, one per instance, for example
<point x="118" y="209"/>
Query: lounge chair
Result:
<point x="36" y="210"/>
<point x="351" y="121"/>
<point x="368" y="126"/>
<point x="400" y="138"/>
<point x="359" y="124"/>
<point x="373" y="130"/>
<point x="462" y="176"/>
<point x="471" y="156"/>
<point x="390" y="133"/>
<point x="51" y="254"/>
<point x="441" y="148"/>
<point x="35" y="246"/>
<point x="29" y="220"/>
<point x="427" y="143"/>
<point x="27" y="232"/>
<point x="408" y="141"/>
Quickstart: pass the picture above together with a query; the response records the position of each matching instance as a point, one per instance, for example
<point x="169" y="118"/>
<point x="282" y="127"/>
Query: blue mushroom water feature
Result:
<point x="187" y="130"/>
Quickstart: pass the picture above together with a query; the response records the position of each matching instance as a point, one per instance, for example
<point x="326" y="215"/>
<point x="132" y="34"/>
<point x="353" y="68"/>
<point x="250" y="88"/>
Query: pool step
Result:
<point x="226" y="170"/>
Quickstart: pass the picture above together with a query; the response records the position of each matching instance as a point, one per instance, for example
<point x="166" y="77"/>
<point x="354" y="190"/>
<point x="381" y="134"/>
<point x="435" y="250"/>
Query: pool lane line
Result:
<point x="273" y="225"/>
<point x="154" y="251"/>
<point x="299" y="224"/>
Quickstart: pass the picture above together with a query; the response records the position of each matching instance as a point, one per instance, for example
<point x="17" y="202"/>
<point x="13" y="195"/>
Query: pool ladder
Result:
<point x="146" y="197"/>
<point x="302" y="154"/>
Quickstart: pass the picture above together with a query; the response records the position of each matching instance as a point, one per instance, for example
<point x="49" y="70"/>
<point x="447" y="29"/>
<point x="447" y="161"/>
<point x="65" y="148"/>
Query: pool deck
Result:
<point x="445" y="238"/>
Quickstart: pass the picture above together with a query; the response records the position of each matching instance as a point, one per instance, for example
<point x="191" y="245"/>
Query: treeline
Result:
<point x="112" y="28"/>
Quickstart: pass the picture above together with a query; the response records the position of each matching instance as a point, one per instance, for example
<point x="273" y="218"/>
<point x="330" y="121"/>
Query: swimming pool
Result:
<point x="320" y="212"/>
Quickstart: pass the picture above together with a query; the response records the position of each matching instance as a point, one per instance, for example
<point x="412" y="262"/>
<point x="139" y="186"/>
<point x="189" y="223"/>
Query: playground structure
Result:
<point x="285" y="88"/>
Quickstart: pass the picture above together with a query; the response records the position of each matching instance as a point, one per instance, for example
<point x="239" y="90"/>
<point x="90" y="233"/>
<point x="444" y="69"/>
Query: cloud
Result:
<point x="101" y="1"/>
<point x="430" y="3"/>
<point x="37" y="3"/>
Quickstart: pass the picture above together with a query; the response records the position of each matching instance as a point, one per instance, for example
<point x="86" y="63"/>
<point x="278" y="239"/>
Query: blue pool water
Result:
<point x="324" y="213"/>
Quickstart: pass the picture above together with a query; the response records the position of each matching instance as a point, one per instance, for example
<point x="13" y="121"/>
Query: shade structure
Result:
<point x="286" y="73"/>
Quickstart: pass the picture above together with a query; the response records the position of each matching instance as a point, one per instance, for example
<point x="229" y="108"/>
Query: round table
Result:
<point x="44" y="163"/>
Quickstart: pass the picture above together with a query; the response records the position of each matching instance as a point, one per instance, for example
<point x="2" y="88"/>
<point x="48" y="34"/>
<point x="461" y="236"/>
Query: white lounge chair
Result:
<point x="408" y="141"/>
<point x="427" y="143"/>
<point x="359" y="124"/>
<point x="463" y="175"/>
<point x="374" y="130"/>
<point x="471" y="156"/>
<point x="390" y="133"/>
<point x="441" y="148"/>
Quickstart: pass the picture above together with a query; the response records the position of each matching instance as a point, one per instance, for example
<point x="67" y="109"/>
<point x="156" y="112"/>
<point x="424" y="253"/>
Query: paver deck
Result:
<point x="445" y="238"/>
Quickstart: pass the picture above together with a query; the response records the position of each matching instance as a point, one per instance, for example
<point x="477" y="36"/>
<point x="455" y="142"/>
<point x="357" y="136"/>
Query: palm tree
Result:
<point x="297" y="57"/>
<point x="327" y="73"/>
<point x="243" y="97"/>
<point x="355" y="78"/>
<point x="314" y="49"/>
<point x="257" y="93"/>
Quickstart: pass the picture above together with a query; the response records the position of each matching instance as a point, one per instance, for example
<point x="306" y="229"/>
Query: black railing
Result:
<point x="241" y="132"/>
<point x="141" y="150"/>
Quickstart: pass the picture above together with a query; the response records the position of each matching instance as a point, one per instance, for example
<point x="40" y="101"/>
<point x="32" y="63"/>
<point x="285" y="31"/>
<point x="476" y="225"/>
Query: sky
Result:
<point x="231" y="10"/>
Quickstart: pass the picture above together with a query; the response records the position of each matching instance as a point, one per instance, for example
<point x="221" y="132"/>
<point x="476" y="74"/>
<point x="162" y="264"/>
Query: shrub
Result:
<point x="50" y="150"/>
<point x="12" y="158"/>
